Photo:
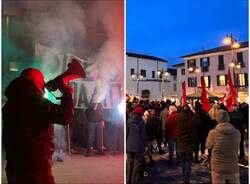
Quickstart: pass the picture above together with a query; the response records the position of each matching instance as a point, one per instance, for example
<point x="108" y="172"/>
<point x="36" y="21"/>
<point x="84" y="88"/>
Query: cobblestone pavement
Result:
<point x="162" y="172"/>
<point x="77" y="169"/>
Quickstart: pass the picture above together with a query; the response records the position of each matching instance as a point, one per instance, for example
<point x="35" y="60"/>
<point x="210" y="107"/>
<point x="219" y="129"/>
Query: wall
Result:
<point x="147" y="83"/>
<point x="213" y="71"/>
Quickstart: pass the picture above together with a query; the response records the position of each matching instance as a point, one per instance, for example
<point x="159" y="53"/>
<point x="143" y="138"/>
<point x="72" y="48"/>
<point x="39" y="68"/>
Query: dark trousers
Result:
<point x="149" y="150"/>
<point x="172" y="145"/>
<point x="200" y="144"/>
<point x="186" y="162"/>
<point x="98" y="129"/>
<point x="242" y="150"/>
<point x="30" y="177"/>
<point x="134" y="167"/>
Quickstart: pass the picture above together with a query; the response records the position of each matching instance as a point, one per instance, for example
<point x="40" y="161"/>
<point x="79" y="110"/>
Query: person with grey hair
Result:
<point x="223" y="141"/>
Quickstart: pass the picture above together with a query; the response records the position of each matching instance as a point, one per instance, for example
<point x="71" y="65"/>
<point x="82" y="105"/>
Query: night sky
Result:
<point x="173" y="28"/>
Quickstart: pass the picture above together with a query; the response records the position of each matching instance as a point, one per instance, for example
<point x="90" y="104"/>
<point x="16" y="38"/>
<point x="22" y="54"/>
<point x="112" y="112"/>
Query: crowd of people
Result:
<point x="189" y="134"/>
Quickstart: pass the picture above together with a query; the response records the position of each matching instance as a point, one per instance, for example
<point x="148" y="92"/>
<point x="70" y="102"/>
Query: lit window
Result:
<point x="241" y="79"/>
<point x="221" y="80"/>
<point x="207" y="81"/>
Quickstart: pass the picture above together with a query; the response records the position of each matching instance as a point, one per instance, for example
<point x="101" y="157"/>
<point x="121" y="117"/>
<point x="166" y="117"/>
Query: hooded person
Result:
<point x="135" y="145"/>
<point x="28" y="132"/>
<point x="223" y="141"/>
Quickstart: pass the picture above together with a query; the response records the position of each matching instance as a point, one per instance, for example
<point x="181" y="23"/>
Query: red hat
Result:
<point x="139" y="110"/>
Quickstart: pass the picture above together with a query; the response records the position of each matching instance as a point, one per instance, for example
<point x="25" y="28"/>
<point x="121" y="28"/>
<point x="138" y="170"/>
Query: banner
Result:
<point x="184" y="95"/>
<point x="54" y="63"/>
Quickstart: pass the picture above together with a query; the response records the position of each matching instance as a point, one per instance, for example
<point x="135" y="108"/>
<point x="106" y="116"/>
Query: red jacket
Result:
<point x="28" y="132"/>
<point x="171" y="126"/>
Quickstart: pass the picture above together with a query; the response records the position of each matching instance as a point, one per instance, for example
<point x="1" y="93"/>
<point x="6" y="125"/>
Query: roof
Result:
<point x="179" y="64"/>
<point x="145" y="56"/>
<point x="172" y="71"/>
<point x="217" y="49"/>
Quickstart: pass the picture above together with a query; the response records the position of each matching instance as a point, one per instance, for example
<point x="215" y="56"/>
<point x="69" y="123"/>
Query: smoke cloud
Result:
<point x="91" y="30"/>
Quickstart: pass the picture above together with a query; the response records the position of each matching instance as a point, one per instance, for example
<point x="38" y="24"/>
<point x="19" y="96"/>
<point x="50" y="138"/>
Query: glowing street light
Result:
<point x="236" y="45"/>
<point x="232" y="65"/>
<point x="230" y="40"/>
<point x="238" y="66"/>
<point x="163" y="74"/>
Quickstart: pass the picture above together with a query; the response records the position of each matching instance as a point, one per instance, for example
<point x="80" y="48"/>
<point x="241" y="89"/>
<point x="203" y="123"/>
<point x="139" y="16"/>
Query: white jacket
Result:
<point x="224" y="141"/>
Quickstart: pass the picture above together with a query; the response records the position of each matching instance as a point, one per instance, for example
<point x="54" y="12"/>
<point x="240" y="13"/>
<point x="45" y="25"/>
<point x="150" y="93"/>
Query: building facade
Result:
<point x="214" y="64"/>
<point x="148" y="77"/>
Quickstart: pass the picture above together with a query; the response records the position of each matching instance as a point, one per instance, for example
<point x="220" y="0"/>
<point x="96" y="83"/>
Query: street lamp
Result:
<point x="163" y="75"/>
<point x="137" y="77"/>
<point x="230" y="40"/>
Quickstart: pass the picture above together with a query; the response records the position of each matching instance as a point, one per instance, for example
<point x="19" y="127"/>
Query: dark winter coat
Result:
<point x="237" y="120"/>
<point x="151" y="128"/>
<point x="136" y="134"/>
<point x="186" y="131"/>
<point x="28" y="132"/>
<point x="205" y="124"/>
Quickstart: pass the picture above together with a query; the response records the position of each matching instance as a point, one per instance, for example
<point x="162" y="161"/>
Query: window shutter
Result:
<point x="209" y="81"/>
<point x="194" y="62"/>
<point x="218" y="80"/>
<point x="226" y="79"/>
<point x="237" y="81"/>
<point x="246" y="79"/>
<point x="201" y="64"/>
<point x="208" y="61"/>
<point x="195" y="81"/>
<point x="188" y="64"/>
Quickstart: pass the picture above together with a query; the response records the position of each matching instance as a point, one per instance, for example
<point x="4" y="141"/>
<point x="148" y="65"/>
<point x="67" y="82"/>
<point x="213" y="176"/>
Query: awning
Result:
<point x="211" y="94"/>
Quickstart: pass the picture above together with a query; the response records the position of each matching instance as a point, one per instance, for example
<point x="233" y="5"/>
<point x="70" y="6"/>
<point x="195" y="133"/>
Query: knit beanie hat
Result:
<point x="139" y="110"/>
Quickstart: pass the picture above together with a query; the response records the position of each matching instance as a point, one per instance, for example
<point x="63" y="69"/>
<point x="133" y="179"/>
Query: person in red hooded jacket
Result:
<point x="28" y="132"/>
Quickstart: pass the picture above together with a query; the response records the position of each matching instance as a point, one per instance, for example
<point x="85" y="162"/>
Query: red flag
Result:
<point x="232" y="95"/>
<point x="229" y="102"/>
<point x="184" y="95"/>
<point x="204" y="100"/>
<point x="223" y="98"/>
